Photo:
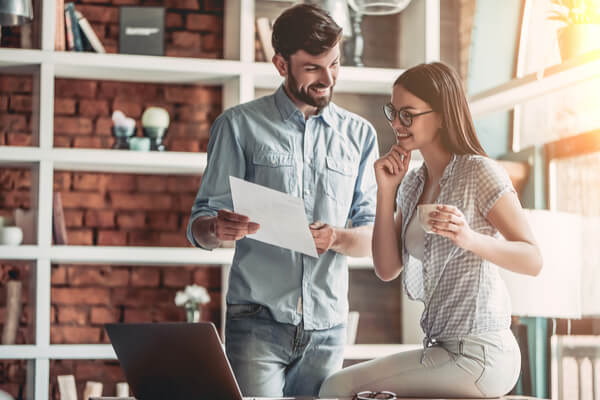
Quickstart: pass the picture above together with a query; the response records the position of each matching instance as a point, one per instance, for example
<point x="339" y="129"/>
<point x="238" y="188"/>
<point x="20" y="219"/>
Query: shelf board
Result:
<point x="18" y="58"/>
<point x="351" y="79"/>
<point x="22" y="252"/>
<point x="18" y="156"/>
<point x="139" y="255"/>
<point x="138" y="68"/>
<point x="536" y="85"/>
<point x="127" y="161"/>
<point x="106" y="352"/>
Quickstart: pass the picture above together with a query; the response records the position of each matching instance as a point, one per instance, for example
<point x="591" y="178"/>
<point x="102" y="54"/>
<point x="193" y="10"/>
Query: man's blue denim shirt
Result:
<point x="327" y="160"/>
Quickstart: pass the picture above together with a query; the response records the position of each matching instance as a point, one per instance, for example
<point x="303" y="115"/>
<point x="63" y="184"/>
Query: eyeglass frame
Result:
<point x="396" y="114"/>
<point x="370" y="394"/>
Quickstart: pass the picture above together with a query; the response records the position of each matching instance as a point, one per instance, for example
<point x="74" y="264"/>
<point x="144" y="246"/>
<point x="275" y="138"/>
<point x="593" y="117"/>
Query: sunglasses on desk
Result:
<point x="367" y="395"/>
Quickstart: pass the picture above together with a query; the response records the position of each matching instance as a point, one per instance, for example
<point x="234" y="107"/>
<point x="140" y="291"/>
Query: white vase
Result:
<point x="11" y="236"/>
<point x="193" y="314"/>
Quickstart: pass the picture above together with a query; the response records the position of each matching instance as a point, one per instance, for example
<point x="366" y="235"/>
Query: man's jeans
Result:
<point x="272" y="359"/>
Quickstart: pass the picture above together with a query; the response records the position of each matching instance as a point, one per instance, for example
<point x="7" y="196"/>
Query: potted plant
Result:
<point x="581" y="33"/>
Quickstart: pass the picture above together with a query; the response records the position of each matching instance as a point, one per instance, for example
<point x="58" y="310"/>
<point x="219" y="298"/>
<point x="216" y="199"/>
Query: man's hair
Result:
<point x="304" y="27"/>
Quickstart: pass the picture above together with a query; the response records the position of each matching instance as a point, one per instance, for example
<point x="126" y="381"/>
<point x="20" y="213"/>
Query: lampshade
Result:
<point x="378" y="7"/>
<point x="15" y="12"/>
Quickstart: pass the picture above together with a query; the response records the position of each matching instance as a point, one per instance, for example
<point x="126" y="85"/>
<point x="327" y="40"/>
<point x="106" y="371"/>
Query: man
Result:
<point x="285" y="328"/>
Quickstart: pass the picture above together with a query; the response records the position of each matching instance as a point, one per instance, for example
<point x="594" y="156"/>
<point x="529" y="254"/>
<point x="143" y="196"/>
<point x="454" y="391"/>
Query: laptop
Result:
<point x="174" y="360"/>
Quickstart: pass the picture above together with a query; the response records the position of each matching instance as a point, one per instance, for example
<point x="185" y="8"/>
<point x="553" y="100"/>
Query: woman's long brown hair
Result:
<point x="439" y="85"/>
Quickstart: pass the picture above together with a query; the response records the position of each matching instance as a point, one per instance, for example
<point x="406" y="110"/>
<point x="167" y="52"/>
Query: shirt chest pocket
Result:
<point x="339" y="179"/>
<point x="274" y="170"/>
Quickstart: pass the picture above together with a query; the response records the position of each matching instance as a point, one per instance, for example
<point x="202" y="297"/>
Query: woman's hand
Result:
<point x="450" y="222"/>
<point x="391" y="168"/>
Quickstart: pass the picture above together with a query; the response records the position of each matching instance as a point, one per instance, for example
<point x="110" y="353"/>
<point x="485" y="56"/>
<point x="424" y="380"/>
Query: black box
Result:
<point x="142" y="31"/>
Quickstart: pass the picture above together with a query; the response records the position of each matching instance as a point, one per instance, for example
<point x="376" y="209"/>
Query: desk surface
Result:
<point x="313" y="398"/>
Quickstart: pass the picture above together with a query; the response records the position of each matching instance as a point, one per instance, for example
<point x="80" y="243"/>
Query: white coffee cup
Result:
<point x="423" y="211"/>
<point x="11" y="236"/>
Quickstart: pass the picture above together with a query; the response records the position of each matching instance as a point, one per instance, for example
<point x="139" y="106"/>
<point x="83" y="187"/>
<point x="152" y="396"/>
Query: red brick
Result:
<point x="86" y="181"/>
<point x="174" y="20"/>
<point x="93" y="142"/>
<point x="141" y="297"/>
<point x="193" y="113"/>
<point x="163" y="221"/>
<point x="62" y="181"/>
<point x="184" y="202"/>
<point x="203" y="22"/>
<point x="15" y="200"/>
<point x="74" y="218"/>
<point x="64" y="106"/>
<point x="121" y="182"/>
<point x="82" y="200"/>
<point x="77" y="296"/>
<point x="131" y="220"/>
<point x="125" y="2"/>
<point x="18" y="139"/>
<point x="104" y="315"/>
<point x="189" y="184"/>
<point x="186" y="39"/>
<point x="137" y="315"/>
<point x="169" y="313"/>
<point x="145" y="277"/>
<point x="128" y="107"/>
<point x="212" y="42"/>
<point x="100" y="13"/>
<point x="78" y="88"/>
<point x="77" y="315"/>
<point x="20" y="103"/>
<point x="58" y="275"/>
<point x="98" y="276"/>
<point x="188" y="94"/>
<point x="213" y="5"/>
<point x="143" y="238"/>
<point x="3" y="103"/>
<point x="112" y="238"/>
<point x="62" y="141"/>
<point x="73" y="125"/>
<point x="74" y="334"/>
<point x="176" y="277"/>
<point x="151" y="183"/>
<point x="184" y="4"/>
<point x="100" y="218"/>
<point x="13" y="123"/>
<point x="103" y="126"/>
<point x="53" y="313"/>
<point x="16" y="84"/>
<point x="134" y="201"/>
<point x="209" y="277"/>
<point x="93" y="108"/>
<point x="171" y="239"/>
<point x="81" y="237"/>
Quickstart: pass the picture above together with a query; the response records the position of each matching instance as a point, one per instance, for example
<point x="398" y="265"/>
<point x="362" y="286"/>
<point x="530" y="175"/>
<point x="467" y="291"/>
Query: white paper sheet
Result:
<point x="281" y="216"/>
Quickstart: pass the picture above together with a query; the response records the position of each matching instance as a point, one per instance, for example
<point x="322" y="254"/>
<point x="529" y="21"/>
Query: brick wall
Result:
<point x="15" y="110"/>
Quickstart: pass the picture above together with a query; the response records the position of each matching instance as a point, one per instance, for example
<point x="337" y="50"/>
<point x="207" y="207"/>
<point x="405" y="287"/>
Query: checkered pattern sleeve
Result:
<point x="492" y="183"/>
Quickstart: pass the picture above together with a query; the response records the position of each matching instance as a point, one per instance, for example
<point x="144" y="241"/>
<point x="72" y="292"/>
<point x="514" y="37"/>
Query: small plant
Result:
<point x="190" y="298"/>
<point x="576" y="11"/>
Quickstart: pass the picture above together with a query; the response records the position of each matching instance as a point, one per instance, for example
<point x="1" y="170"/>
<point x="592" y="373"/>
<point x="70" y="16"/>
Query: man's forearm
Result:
<point x="203" y="230"/>
<point x="353" y="242"/>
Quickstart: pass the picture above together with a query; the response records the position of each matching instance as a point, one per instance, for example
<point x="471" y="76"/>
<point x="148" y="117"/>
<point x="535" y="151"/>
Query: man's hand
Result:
<point x="323" y="235"/>
<point x="231" y="226"/>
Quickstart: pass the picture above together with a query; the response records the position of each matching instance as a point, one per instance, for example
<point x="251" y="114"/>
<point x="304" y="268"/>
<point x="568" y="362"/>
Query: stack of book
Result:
<point x="73" y="30"/>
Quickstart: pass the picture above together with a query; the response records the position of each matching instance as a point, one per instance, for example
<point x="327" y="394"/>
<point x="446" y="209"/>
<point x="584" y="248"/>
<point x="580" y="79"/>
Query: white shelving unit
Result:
<point x="238" y="75"/>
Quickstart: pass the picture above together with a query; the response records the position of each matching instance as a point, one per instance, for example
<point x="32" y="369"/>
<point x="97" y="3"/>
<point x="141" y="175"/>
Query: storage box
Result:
<point x="142" y="30"/>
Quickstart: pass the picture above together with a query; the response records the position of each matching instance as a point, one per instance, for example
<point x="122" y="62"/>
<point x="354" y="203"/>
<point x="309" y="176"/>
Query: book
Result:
<point x="59" y="29"/>
<point x="70" y="13"/>
<point x="70" y="41"/>
<point x="88" y="32"/>
<point x="67" y="387"/>
<point x="13" y="310"/>
<point x="59" y="227"/>
<point x="263" y="27"/>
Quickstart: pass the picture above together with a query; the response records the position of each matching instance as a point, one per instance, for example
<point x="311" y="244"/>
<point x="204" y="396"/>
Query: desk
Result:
<point x="314" y="398"/>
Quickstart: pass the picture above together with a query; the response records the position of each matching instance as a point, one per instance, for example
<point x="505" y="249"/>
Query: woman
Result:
<point x="469" y="350"/>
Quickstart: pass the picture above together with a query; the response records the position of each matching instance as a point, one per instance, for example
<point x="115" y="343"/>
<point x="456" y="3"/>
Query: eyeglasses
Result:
<point x="405" y="116"/>
<point x="374" y="395"/>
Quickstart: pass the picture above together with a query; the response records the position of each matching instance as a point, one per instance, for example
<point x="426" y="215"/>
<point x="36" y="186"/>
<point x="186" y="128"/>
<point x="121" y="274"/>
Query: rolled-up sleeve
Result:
<point x="362" y="211"/>
<point x="225" y="158"/>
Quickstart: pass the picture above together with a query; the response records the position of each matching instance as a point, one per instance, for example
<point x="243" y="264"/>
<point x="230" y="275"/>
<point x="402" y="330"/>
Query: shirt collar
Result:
<point x="287" y="108"/>
<point x="447" y="171"/>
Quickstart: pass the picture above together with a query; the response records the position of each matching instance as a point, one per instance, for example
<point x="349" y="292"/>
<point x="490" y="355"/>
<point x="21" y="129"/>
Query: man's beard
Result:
<point x="304" y="96"/>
